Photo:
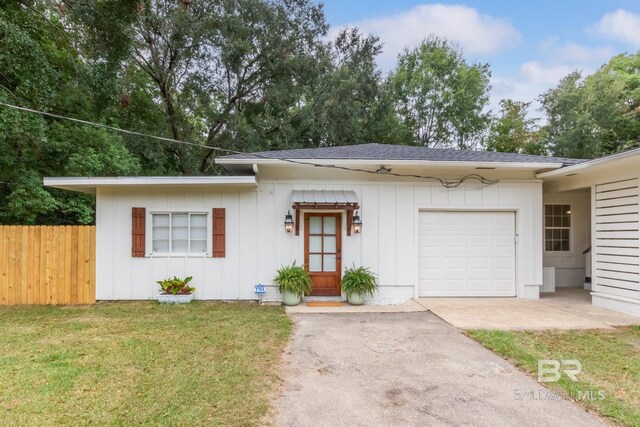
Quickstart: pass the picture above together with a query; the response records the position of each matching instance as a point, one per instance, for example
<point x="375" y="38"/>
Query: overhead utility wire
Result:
<point x="444" y="183"/>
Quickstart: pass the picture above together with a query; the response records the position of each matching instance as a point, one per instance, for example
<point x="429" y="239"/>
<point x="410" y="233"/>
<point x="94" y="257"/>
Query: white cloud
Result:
<point x="577" y="53"/>
<point x="532" y="80"/>
<point x="476" y="33"/>
<point x="619" y="25"/>
<point x="538" y="74"/>
<point x="517" y="89"/>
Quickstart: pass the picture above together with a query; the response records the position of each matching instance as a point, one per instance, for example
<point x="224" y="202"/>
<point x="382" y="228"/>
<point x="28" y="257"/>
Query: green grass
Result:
<point x="610" y="362"/>
<point x="139" y="363"/>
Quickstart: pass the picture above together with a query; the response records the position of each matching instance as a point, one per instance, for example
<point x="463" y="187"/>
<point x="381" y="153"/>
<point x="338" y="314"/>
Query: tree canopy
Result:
<point x="440" y="98"/>
<point x="251" y="75"/>
<point x="595" y="115"/>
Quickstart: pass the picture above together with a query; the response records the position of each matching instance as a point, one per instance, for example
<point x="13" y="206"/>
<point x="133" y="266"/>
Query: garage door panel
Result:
<point x="453" y="241"/>
<point x="502" y="241"/>
<point x="466" y="253"/>
<point x="454" y="262"/>
<point x="479" y="285"/>
<point x="478" y="262"/>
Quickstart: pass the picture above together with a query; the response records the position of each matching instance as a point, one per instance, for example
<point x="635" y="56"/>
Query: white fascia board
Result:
<point x="378" y="163"/>
<point x="585" y="165"/>
<point x="89" y="184"/>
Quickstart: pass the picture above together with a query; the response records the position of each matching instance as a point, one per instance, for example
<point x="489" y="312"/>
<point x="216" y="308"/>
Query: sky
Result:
<point x="530" y="45"/>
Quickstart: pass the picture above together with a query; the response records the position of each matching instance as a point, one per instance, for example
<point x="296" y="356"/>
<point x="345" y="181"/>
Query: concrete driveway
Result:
<point x="567" y="308"/>
<point x="372" y="369"/>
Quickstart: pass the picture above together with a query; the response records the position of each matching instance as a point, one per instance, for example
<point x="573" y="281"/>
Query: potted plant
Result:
<point x="293" y="282"/>
<point x="357" y="282"/>
<point x="175" y="291"/>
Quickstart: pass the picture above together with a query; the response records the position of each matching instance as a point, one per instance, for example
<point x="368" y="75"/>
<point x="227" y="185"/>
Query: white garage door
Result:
<point x="467" y="254"/>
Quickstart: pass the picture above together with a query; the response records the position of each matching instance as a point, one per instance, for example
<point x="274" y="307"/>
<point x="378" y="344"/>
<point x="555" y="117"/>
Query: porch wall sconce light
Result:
<point x="356" y="224"/>
<point x="288" y="222"/>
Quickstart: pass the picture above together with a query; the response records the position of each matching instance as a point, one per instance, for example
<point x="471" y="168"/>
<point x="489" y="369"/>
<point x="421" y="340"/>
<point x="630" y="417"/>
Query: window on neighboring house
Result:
<point x="557" y="228"/>
<point x="179" y="232"/>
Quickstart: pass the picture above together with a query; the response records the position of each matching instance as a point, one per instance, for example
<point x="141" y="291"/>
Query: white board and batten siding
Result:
<point x="257" y="244"/>
<point x="616" y="239"/>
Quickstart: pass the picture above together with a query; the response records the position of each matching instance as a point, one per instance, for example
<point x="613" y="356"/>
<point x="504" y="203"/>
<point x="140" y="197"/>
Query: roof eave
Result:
<point x="90" y="184"/>
<point x="373" y="162"/>
<point x="588" y="164"/>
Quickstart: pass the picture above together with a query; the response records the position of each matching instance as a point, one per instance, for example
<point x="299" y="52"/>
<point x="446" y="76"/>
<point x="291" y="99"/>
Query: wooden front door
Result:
<point x="322" y="252"/>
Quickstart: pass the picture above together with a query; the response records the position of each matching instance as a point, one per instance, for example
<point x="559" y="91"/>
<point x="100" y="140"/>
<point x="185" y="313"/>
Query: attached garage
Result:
<point x="467" y="254"/>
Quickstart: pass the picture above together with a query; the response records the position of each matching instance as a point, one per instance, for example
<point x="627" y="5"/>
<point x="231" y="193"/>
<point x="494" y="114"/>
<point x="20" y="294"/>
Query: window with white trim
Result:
<point x="179" y="233"/>
<point x="557" y="228"/>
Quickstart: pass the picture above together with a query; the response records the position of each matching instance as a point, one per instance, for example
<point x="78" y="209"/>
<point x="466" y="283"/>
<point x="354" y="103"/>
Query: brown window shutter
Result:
<point x="138" y="218"/>
<point x="218" y="233"/>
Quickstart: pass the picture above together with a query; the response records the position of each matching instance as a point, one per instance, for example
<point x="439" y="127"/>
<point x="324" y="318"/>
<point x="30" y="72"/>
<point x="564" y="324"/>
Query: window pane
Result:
<point x="548" y="246"/>
<point x="315" y="225"/>
<point x="548" y="209"/>
<point x="179" y="233"/>
<point x="179" y="246"/>
<point x="566" y="221"/>
<point x="161" y="232"/>
<point x="329" y="244"/>
<point x="315" y="262"/>
<point x="198" y="220"/>
<point x="180" y="219"/>
<point x="198" y="246"/>
<point x="199" y="233"/>
<point x="160" y="246"/>
<point x="565" y="234"/>
<point x="565" y="246"/>
<point x="329" y="225"/>
<point x="315" y="244"/>
<point x="329" y="263"/>
<point x="160" y="219"/>
<point x="557" y="209"/>
<point x="548" y="234"/>
<point x="557" y="245"/>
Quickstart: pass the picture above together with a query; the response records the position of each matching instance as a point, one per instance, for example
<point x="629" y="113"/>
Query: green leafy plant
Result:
<point x="359" y="280"/>
<point x="176" y="286"/>
<point x="293" y="278"/>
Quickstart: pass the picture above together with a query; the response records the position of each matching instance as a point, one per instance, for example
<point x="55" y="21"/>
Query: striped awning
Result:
<point x="324" y="198"/>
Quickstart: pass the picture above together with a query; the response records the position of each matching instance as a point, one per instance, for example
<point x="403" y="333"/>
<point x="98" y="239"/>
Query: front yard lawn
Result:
<point x="610" y="362"/>
<point x="137" y="363"/>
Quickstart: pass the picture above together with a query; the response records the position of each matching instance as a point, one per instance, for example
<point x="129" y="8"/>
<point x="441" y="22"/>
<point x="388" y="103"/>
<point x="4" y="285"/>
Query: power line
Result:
<point x="444" y="183"/>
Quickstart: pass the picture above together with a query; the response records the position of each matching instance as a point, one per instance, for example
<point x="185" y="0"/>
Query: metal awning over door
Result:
<point x="324" y="199"/>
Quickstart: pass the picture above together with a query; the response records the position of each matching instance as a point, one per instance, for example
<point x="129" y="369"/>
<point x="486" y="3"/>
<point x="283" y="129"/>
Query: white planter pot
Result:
<point x="175" y="299"/>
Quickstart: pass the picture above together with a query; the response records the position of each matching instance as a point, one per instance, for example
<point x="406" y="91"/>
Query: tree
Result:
<point x="514" y="132"/>
<point x="570" y="130"/>
<point x="40" y="68"/>
<point x="346" y="103"/>
<point x="224" y="73"/>
<point x="439" y="97"/>
<point x="597" y="115"/>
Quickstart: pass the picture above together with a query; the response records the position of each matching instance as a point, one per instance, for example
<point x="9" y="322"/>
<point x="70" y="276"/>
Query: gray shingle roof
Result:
<point x="384" y="152"/>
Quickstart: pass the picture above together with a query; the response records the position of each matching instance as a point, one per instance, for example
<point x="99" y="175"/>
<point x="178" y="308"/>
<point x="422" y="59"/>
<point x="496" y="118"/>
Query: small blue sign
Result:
<point x="260" y="289"/>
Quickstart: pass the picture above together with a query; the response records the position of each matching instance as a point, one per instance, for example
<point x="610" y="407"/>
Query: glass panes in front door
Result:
<point x="322" y="243"/>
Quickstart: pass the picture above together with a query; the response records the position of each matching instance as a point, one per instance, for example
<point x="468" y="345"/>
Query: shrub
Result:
<point x="293" y="278"/>
<point x="359" y="280"/>
<point x="176" y="286"/>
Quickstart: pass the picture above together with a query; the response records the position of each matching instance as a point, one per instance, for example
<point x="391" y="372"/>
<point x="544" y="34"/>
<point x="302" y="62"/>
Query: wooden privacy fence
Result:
<point x="47" y="264"/>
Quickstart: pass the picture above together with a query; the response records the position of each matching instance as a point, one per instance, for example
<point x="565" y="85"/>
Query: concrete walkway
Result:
<point x="407" y="307"/>
<point x="568" y="308"/>
<point x="372" y="369"/>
